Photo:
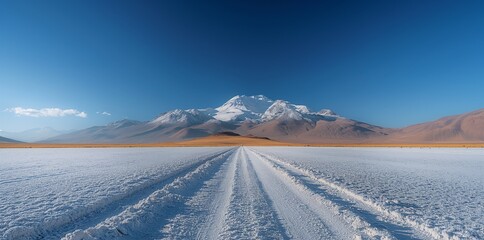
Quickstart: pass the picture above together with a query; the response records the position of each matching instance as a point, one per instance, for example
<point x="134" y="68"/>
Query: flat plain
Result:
<point x="242" y="193"/>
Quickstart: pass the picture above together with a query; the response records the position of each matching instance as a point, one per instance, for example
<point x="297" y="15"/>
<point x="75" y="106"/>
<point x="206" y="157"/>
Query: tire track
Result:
<point x="85" y="218"/>
<point x="300" y="211"/>
<point x="397" y="225"/>
<point x="231" y="205"/>
<point x="202" y="217"/>
<point x="250" y="215"/>
<point x="139" y="220"/>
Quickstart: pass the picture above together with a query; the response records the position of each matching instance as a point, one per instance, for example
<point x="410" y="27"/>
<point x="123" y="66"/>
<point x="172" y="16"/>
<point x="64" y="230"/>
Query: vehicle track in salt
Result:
<point x="249" y="199"/>
<point x="149" y="208"/>
<point x="86" y="217"/>
<point x="244" y="194"/>
<point x="376" y="217"/>
<point x="232" y="205"/>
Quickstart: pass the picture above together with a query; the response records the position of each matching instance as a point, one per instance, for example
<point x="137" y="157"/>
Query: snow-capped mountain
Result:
<point x="284" y="110"/>
<point x="256" y="115"/>
<point x="178" y="116"/>
<point x="260" y="109"/>
<point x="241" y="108"/>
<point x="327" y="112"/>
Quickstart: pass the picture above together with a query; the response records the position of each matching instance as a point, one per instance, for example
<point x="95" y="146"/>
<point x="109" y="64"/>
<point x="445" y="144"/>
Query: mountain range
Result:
<point x="278" y="120"/>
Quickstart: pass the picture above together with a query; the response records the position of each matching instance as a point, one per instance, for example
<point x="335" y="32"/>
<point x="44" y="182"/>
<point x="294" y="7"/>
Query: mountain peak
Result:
<point x="256" y="97"/>
<point x="190" y="116"/>
<point x="242" y="107"/>
<point x="327" y="112"/>
<point x="281" y="109"/>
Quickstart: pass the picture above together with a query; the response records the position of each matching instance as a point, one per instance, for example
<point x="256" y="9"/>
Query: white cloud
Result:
<point x="46" y="112"/>
<point x="104" y="113"/>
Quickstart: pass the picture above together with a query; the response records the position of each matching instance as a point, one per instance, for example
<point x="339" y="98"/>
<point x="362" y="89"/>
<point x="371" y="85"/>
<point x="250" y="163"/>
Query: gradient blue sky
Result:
<point x="390" y="63"/>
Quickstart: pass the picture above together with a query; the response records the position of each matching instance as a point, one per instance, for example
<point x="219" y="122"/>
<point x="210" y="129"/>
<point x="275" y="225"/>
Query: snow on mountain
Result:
<point x="301" y="108"/>
<point x="178" y="116"/>
<point x="284" y="110"/>
<point x="281" y="109"/>
<point x="241" y="108"/>
<point x="327" y="112"/>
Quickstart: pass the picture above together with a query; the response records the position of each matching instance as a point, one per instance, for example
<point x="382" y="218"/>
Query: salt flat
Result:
<point x="242" y="193"/>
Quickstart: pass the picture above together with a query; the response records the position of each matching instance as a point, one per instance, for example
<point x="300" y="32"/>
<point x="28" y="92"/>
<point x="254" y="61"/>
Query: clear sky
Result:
<point x="389" y="63"/>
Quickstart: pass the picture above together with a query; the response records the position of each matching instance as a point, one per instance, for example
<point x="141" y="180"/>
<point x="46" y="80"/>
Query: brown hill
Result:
<point x="220" y="139"/>
<point x="468" y="127"/>
<point x="232" y="140"/>
<point x="339" y="130"/>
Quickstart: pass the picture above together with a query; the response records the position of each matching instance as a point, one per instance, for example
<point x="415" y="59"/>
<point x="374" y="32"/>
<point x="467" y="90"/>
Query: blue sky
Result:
<point x="390" y="63"/>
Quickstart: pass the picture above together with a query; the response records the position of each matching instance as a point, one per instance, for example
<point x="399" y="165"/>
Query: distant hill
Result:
<point x="467" y="127"/>
<point x="33" y="135"/>
<point x="7" y="140"/>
